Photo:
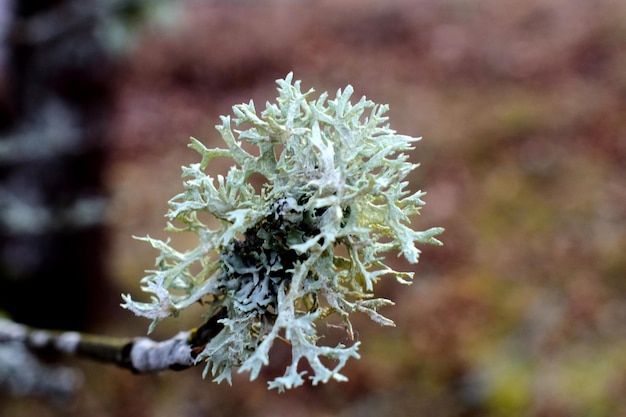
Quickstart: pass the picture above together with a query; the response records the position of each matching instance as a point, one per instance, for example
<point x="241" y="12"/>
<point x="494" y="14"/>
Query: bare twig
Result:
<point x="140" y="355"/>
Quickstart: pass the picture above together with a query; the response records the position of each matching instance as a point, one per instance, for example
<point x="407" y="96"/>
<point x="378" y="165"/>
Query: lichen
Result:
<point x="335" y="177"/>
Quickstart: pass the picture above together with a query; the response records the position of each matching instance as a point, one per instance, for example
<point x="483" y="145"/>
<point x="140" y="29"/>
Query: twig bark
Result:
<point x="140" y="355"/>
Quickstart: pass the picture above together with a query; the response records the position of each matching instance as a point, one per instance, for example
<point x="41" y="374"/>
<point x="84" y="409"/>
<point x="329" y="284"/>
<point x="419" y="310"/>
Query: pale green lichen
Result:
<point x="335" y="177"/>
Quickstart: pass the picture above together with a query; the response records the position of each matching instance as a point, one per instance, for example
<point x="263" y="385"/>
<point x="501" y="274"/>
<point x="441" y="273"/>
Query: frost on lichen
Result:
<point x="334" y="178"/>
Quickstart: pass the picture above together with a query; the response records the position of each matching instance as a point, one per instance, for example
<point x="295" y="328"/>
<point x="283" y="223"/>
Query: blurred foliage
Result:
<point x="120" y="25"/>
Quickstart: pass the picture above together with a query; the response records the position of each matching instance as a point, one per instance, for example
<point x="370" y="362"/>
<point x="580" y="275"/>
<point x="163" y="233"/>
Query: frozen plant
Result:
<point x="334" y="177"/>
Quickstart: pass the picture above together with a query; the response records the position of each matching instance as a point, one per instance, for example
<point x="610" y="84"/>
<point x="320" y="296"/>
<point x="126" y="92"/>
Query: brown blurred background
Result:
<point x="522" y="107"/>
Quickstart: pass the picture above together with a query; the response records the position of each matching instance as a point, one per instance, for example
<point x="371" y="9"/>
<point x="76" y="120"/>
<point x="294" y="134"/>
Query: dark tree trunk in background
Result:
<point x="55" y="97"/>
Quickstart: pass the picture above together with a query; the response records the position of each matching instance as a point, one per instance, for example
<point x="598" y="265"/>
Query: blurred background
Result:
<point x="522" y="107"/>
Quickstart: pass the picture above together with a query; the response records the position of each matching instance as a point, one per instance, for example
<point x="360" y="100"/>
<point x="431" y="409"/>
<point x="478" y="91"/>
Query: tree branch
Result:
<point x="140" y="355"/>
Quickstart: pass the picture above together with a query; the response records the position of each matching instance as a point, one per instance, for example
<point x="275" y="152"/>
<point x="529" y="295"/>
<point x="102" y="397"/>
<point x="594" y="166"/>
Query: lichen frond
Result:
<point x="336" y="176"/>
